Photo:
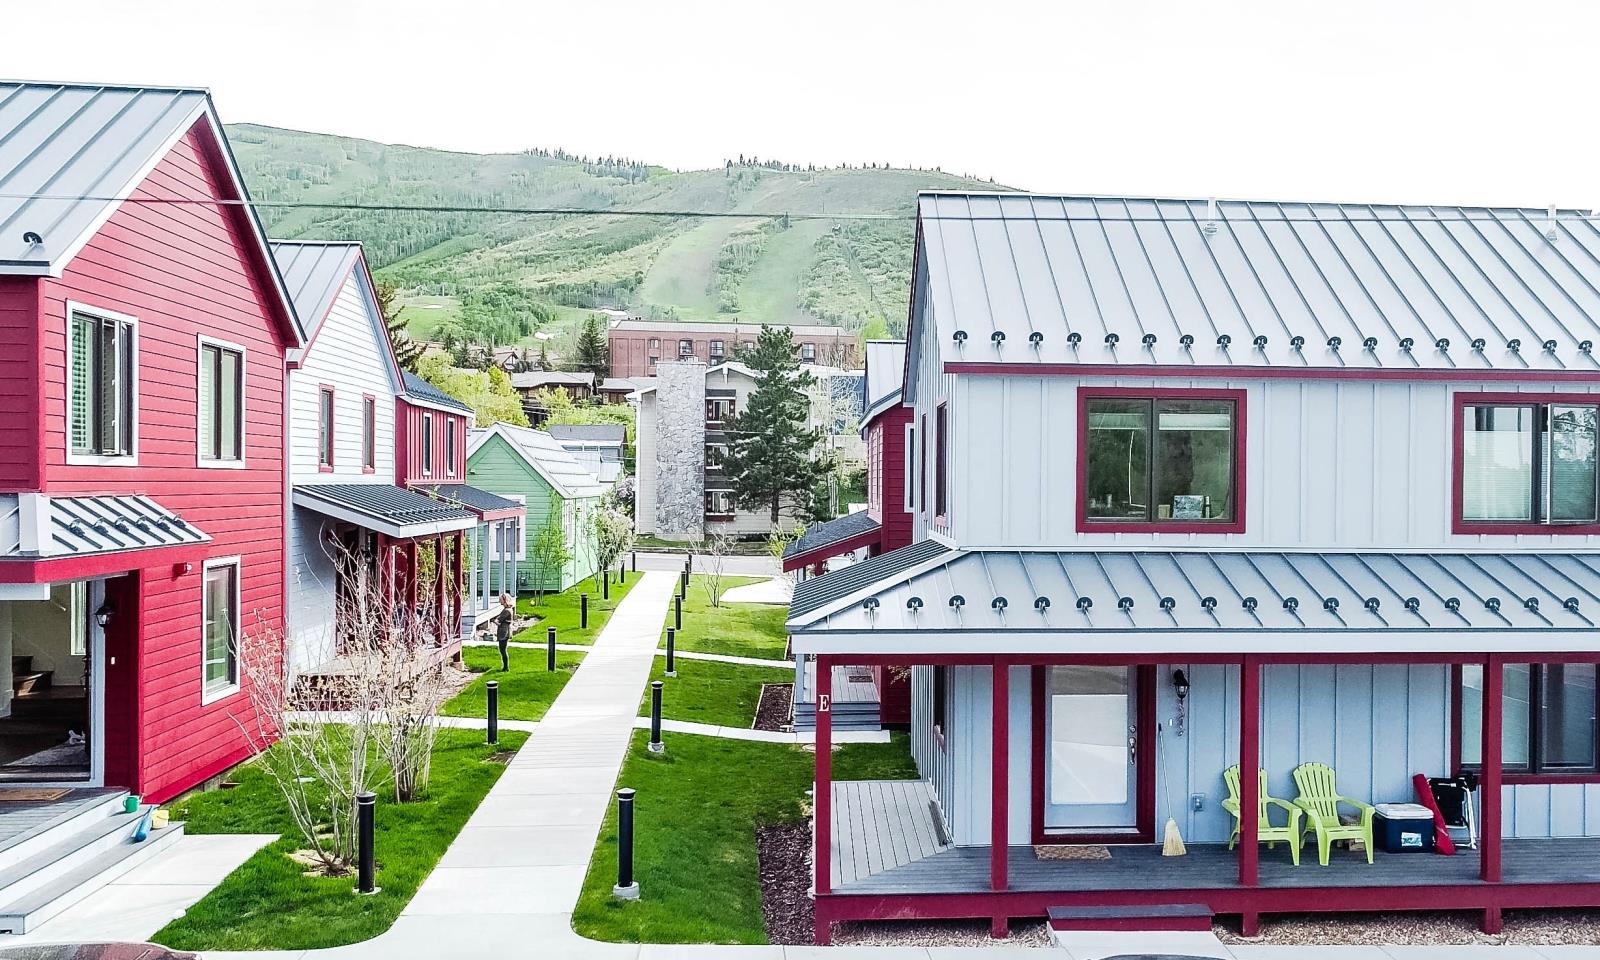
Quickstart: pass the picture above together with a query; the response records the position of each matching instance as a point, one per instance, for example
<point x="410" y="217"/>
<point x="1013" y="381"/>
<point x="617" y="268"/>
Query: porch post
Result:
<point x="822" y="800"/>
<point x="384" y="586"/>
<point x="999" y="786"/>
<point x="458" y="559"/>
<point x="1249" y="765"/>
<point x="799" y="678"/>
<point x="1489" y="777"/>
<point x="411" y="580"/>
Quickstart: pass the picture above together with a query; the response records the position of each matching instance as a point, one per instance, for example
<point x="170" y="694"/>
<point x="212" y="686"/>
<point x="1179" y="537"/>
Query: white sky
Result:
<point x="1460" y="102"/>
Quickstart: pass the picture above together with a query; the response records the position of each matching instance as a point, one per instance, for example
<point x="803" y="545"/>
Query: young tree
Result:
<point x="612" y="530"/>
<point x="774" y="459"/>
<point x="550" y="553"/>
<point x="592" y="355"/>
<point x="714" y="557"/>
<point x="543" y="363"/>
<point x="406" y="350"/>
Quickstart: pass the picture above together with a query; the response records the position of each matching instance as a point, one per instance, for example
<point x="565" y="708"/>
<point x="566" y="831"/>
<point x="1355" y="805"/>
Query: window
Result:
<point x="1166" y="461"/>
<point x="719" y="410"/>
<point x="511" y="531"/>
<point x="1548" y="718"/>
<point x="941" y="455"/>
<point x="427" y="443"/>
<point x="938" y="696"/>
<point x="922" y="466"/>
<point x="100" y="385"/>
<point x="325" y="429"/>
<point x="685" y="348"/>
<point x="655" y="346"/>
<point x="221" y="393"/>
<point x="714" y="454"/>
<point x="220" y="603"/>
<point x="1530" y="464"/>
<point x="911" y="468"/>
<point x="450" y="446"/>
<point x="808" y="353"/>
<point x="77" y="604"/>
<point x="369" y="434"/>
<point x="716" y="349"/>
<point x="719" y="503"/>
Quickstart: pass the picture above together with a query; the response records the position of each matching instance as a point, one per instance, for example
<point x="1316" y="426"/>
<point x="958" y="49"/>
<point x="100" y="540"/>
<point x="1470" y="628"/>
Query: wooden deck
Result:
<point x="882" y="825"/>
<point x="845" y="689"/>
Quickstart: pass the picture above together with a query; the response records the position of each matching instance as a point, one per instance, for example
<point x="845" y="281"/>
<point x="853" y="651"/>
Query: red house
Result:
<point x="143" y="333"/>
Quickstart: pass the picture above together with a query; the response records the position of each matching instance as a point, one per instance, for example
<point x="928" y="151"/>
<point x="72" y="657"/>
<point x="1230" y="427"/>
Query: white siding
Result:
<point x="311" y="593"/>
<point x="347" y="355"/>
<point x="959" y="770"/>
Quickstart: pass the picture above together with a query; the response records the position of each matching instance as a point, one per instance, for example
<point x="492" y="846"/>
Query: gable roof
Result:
<point x="313" y="274"/>
<point x="424" y="392"/>
<point x="71" y="153"/>
<point x="821" y="541"/>
<point x="534" y="379"/>
<point x="1035" y="280"/>
<point x="648" y="385"/>
<point x="886" y="372"/>
<point x="589" y="432"/>
<point x="547" y="457"/>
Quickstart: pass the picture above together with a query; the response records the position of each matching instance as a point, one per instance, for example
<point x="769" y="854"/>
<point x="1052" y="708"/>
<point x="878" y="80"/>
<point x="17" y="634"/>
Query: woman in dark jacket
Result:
<point x="502" y="628"/>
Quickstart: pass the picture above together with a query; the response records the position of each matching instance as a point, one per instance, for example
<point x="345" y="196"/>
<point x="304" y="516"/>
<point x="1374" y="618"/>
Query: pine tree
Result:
<point x="406" y="350"/>
<point x="591" y="352"/>
<point x="543" y="363"/>
<point x="774" y="460"/>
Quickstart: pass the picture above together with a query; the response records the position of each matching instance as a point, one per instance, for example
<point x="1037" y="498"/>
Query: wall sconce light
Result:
<point x="1180" y="686"/>
<point x="102" y="616"/>
<point x="181" y="568"/>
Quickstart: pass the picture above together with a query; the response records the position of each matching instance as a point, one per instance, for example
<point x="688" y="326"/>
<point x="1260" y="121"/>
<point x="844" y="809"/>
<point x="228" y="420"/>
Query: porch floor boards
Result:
<point x="845" y="690"/>
<point x="881" y="825"/>
<point x="1141" y="867"/>
<point x="20" y="820"/>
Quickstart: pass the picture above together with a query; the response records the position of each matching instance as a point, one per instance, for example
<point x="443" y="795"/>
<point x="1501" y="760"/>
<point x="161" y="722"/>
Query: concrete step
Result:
<point x="26" y="845"/>
<point x="63" y="890"/>
<point x="1159" y="916"/>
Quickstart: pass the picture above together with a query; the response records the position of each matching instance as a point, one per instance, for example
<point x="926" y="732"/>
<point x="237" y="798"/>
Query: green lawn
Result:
<point x="560" y="610"/>
<point x="737" y="629"/>
<point x="270" y="904"/>
<point x="694" y="853"/>
<point x="526" y="690"/>
<point x="705" y="691"/>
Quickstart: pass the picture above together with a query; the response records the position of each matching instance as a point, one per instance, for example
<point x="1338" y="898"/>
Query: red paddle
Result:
<point x="1442" y="843"/>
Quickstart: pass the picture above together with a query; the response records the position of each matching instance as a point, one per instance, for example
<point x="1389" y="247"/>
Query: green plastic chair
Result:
<point x="1292" y="833"/>
<point x="1319" y="798"/>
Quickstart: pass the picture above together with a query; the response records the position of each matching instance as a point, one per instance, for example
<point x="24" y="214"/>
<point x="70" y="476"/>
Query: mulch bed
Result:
<point x="784" y="852"/>
<point x="773" y="710"/>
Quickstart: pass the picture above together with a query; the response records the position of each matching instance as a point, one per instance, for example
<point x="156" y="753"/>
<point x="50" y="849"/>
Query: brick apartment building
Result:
<point x="637" y="345"/>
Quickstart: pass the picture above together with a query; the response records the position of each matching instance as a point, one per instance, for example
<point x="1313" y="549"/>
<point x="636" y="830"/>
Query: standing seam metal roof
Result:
<point x="314" y="273"/>
<point x="837" y="530"/>
<point x="420" y="389"/>
<point x="80" y="526"/>
<point x="886" y="373"/>
<point x="1033" y="279"/>
<point x="384" y="501"/>
<point x="818" y="592"/>
<point x="553" y="462"/>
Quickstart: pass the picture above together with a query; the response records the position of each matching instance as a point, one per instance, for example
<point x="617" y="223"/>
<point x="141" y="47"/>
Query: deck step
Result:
<point x="32" y="681"/>
<point x="33" y="908"/>
<point x="74" y="817"/>
<point x="1158" y="916"/>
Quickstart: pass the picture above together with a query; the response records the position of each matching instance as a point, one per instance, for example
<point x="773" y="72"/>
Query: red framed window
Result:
<point x="1548" y="718"/>
<point x="941" y="461"/>
<point x="369" y="433"/>
<point x="1526" y="463"/>
<point x="325" y="429"/>
<point x="1160" y="461"/>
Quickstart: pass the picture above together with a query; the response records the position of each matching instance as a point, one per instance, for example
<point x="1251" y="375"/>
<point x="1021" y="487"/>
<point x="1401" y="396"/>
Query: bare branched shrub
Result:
<point x="714" y="562"/>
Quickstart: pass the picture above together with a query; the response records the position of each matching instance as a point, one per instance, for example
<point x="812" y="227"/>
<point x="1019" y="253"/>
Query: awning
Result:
<point x="385" y="508"/>
<point x="836" y="537"/>
<point x="43" y="538"/>
<point x="1209" y="601"/>
<point x="488" y="506"/>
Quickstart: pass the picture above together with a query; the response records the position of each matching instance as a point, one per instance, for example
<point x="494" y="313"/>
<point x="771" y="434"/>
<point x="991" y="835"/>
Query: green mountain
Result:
<point x="496" y="278"/>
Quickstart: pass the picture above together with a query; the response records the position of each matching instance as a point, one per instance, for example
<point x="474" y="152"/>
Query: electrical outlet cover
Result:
<point x="1197" y="801"/>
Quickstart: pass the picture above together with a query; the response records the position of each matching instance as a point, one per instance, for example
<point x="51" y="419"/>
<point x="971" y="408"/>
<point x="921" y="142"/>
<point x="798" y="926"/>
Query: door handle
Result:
<point x="1133" y="744"/>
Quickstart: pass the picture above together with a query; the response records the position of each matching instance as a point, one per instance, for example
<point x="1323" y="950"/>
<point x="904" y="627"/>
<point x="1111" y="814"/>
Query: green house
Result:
<point x="529" y="466"/>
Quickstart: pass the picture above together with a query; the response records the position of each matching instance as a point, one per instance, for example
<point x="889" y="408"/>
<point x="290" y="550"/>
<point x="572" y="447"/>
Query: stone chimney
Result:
<point x="681" y="449"/>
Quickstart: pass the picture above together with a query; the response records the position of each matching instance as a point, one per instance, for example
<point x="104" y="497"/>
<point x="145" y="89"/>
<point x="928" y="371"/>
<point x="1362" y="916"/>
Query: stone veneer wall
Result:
<point x="681" y="449"/>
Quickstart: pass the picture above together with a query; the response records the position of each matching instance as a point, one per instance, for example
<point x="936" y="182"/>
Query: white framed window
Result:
<point x="102" y="386"/>
<point x="908" y="478"/>
<point x="427" y="444"/>
<point x="219" y="676"/>
<point x="513" y="528"/>
<point x="220" y="392"/>
<point x="808" y="353"/>
<point x="325" y="429"/>
<point x="77" y="603"/>
<point x="450" y="446"/>
<point x="719" y="503"/>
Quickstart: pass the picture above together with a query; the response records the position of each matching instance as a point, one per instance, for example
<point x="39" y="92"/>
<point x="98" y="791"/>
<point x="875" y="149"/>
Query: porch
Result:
<point x="854" y="696"/>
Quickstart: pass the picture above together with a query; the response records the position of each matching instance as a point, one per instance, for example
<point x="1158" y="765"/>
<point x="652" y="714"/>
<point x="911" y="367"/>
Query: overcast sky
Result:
<point x="1459" y="102"/>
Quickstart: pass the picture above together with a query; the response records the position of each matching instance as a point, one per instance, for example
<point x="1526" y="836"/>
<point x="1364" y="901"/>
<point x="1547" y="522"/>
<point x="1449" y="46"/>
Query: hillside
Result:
<point x="499" y="277"/>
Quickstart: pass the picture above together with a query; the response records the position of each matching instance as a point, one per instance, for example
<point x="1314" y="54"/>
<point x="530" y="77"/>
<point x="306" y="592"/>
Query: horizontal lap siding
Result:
<point x="183" y="270"/>
<point x="347" y="356"/>
<point x="496" y="468"/>
<point x="19" y="384"/>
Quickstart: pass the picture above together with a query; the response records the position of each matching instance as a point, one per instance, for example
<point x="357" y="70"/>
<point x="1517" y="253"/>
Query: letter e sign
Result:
<point x="824" y="702"/>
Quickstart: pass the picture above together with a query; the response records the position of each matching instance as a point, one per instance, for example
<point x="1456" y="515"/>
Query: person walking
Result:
<point x="502" y="628"/>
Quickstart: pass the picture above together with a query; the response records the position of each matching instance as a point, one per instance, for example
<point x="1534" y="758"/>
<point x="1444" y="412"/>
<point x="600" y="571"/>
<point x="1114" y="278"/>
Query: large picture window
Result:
<point x="220" y="642"/>
<point x="1154" y="461"/>
<point x="101" y="385"/>
<point x="1528" y="463"/>
<point x="1547" y="718"/>
<point x="221" y="393"/>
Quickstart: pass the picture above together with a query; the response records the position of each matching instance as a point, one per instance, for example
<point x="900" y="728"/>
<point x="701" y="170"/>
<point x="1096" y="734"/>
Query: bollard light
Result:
<point x="494" y="711"/>
<point x="656" y="746"/>
<point x="550" y="650"/>
<point x="583" y="611"/>
<point x="605" y="585"/>
<point x="683" y="583"/>
<point x="366" y="807"/>
<point x="622" y="572"/>
<point x="627" y="888"/>
<point x="672" y="660"/>
<point x="635" y="561"/>
<point x="677" y="613"/>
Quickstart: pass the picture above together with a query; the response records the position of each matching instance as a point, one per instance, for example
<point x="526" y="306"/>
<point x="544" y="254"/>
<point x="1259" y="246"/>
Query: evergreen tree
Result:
<point x="592" y="355"/>
<point x="406" y="350"/>
<point x="774" y="460"/>
<point x="543" y="363"/>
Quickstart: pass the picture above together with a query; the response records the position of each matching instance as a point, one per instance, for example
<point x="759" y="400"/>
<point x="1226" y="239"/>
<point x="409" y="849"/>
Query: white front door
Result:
<point x="1091" y="763"/>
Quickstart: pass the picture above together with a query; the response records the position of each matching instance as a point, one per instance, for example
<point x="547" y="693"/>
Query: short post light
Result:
<point x="672" y="659"/>
<point x="493" y="688"/>
<point x="366" y="808"/>
<point x="683" y="583"/>
<point x="622" y="571"/>
<point x="583" y="611"/>
<point x="627" y="888"/>
<point x="550" y="650"/>
<point x="605" y="584"/>
<point x="677" y="613"/>
<point x="635" y="558"/>
<point x="656" y="746"/>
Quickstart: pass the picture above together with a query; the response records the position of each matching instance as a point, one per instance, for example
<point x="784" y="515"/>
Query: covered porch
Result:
<point x="494" y="543"/>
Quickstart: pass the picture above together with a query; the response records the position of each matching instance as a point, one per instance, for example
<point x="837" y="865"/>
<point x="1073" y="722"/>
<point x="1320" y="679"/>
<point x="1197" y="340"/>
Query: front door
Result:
<point x="1091" y="768"/>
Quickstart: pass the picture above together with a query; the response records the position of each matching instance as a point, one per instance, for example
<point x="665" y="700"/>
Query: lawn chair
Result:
<point x="1319" y="798"/>
<point x="1454" y="797"/>
<point x="1265" y="831"/>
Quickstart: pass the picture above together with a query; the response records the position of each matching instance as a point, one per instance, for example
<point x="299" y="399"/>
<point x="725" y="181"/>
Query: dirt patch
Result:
<point x="784" y="853"/>
<point x="501" y="757"/>
<point x="773" y="710"/>
<point x="1423" y="928"/>
<point x="309" y="858"/>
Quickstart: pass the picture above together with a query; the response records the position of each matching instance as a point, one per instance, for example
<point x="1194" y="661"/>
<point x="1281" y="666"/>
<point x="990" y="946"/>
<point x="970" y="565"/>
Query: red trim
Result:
<point x="99" y="564"/>
<point x="1546" y="778"/>
<point x="822" y="802"/>
<point x="1249" y="764"/>
<point x="1237" y="397"/>
<point x="1489" y="792"/>
<point x="999" y="773"/>
<point x="1459" y="404"/>
<point x="1159" y="657"/>
<point x="1455" y="718"/>
<point x="1241" y="372"/>
<point x="818" y="554"/>
<point x="1144" y="760"/>
<point x="1195" y="922"/>
<point x="325" y="444"/>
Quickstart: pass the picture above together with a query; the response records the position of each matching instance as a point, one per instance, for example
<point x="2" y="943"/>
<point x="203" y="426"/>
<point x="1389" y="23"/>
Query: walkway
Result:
<point x="660" y="652"/>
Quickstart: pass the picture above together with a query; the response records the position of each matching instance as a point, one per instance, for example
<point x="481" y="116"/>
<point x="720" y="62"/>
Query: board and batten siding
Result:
<point x="495" y="467"/>
<point x="959" y="769"/>
<point x="184" y="270"/>
<point x="410" y="421"/>
<point x="1329" y="464"/>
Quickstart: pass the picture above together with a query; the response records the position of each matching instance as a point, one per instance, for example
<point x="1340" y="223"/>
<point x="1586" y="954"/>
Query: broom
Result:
<point x="1171" y="839"/>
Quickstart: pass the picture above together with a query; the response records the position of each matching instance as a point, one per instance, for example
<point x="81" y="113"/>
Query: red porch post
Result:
<point x="411" y="580"/>
<point x="457" y="561"/>
<point x="1489" y="792"/>
<point x="438" y="589"/>
<point x="999" y="776"/>
<point x="822" y="801"/>
<point x="1249" y="765"/>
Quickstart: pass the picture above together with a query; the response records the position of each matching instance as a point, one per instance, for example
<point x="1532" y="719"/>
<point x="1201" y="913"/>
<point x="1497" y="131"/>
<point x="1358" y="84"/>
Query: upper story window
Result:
<point x="719" y="503"/>
<point x="427" y="443"/>
<point x="719" y="410"/>
<point x="714" y="454"/>
<point x="369" y="434"/>
<point x="910" y="488"/>
<point x="655" y="346"/>
<point x="1547" y="721"/>
<point x="685" y="348"/>
<point x="325" y="429"/>
<point x="941" y="454"/>
<point x="716" y="350"/>
<point x="808" y="353"/>
<point x="1527" y="465"/>
<point x="1160" y="461"/>
<point x="102" y="394"/>
<point x="221" y="393"/>
<point x="450" y="446"/>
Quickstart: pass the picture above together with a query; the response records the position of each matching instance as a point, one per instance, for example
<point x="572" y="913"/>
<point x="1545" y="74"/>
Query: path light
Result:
<point x="550" y="650"/>
<point x="627" y="888"/>
<point x="583" y="611"/>
<point x="366" y="806"/>
<point x="677" y="612"/>
<point x="656" y="746"/>
<point x="605" y="584"/>
<point x="493" y="688"/>
<point x="622" y="572"/>
<point x="672" y="657"/>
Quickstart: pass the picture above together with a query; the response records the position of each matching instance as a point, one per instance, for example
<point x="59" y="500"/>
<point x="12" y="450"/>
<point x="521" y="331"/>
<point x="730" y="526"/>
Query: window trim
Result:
<point x="1239" y="399"/>
<point x="685" y="348"/>
<point x="369" y="433"/>
<point x="908" y="482"/>
<point x="201" y="342"/>
<point x="450" y="444"/>
<point x="941" y="463"/>
<point x="130" y="459"/>
<point x="223" y="692"/>
<point x="1536" y="775"/>
<point x="425" y="454"/>
<point x="1458" y="461"/>
<point x="326" y="438"/>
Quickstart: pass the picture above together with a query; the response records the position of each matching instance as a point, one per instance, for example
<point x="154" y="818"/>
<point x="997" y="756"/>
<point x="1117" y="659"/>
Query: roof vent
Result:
<point x="998" y="604"/>
<point x="1085" y="603"/>
<point x="1571" y="603"/>
<point x="1223" y="340"/>
<point x="1406" y="343"/>
<point x="1167" y="603"/>
<point x="1371" y="603"/>
<point x="914" y="604"/>
<point x="957" y="601"/>
<point x="1186" y="341"/>
<point x="1036" y="338"/>
<point x="1333" y="343"/>
<point x="1124" y="603"/>
<point x="1210" y="229"/>
<point x="1041" y="604"/>
<point x="1413" y="604"/>
<point x="1074" y="338"/>
<point x="1514" y="345"/>
<point x="1443" y="343"/>
<point x="1532" y="603"/>
<point x="960" y="336"/>
<point x="998" y="337"/>
<point x="1208" y="603"/>
<point x="1332" y="603"/>
<point x="1478" y="343"/>
<point x="1250" y="603"/>
<point x="1584" y="346"/>
<point x="1260" y="341"/>
<point x="1370" y="343"/>
<point x="1452" y="603"/>
<point x="1297" y="341"/>
<point x="870" y="604"/>
<point x="1492" y="604"/>
<point x="1291" y="603"/>
<point x="1111" y="339"/>
<point x="1148" y="339"/>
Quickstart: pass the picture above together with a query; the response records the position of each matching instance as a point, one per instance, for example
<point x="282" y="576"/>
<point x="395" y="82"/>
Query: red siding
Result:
<point x="408" y="446"/>
<point x="886" y="473"/>
<point x="20" y="436"/>
<point x="182" y="270"/>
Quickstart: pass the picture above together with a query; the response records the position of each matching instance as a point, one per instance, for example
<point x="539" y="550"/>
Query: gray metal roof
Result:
<point x="476" y="499"/>
<point x="818" y="592"/>
<point x="384" y="507"/>
<point x="548" y="457"/>
<point x="534" y="379"/>
<point x="420" y="389"/>
<point x="80" y="526"/>
<point x="1195" y="593"/>
<point x="820" y="535"/>
<point x="886" y="374"/>
<point x="1030" y="279"/>
<point x="589" y="432"/>
<point x="314" y="273"/>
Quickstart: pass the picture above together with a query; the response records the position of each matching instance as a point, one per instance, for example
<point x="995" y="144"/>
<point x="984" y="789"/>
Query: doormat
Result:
<point x="32" y="794"/>
<point x="1072" y="851"/>
<point x="860" y="678"/>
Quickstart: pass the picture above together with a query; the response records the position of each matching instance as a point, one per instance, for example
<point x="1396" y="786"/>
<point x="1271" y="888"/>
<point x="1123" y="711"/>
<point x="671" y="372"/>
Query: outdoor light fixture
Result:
<point x="1180" y="686"/>
<point x="1074" y="338"/>
<point x="1333" y="343"/>
<point x="1148" y="339"/>
<point x="102" y="616"/>
<point x="181" y="568"/>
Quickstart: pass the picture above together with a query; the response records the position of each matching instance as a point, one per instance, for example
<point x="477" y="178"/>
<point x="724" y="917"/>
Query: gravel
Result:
<point x="939" y="933"/>
<point x="1423" y="928"/>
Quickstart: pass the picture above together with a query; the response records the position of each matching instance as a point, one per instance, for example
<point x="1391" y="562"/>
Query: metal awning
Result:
<point x="38" y="527"/>
<point x="488" y="506"/>
<point x="385" y="508"/>
<point x="1215" y="601"/>
<point x="837" y="536"/>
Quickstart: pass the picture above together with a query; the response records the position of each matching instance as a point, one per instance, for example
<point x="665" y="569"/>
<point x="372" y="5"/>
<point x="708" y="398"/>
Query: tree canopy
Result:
<point x="488" y="392"/>
<point x="774" y="460"/>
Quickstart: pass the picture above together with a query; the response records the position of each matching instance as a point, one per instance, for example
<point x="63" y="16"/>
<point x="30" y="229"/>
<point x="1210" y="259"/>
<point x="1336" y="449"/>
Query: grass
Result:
<point x="561" y="610"/>
<point x="269" y="902"/>
<point x="736" y="629"/>
<point x="705" y="691"/>
<point x="694" y="852"/>
<point x="526" y="690"/>
<point x="875" y="761"/>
